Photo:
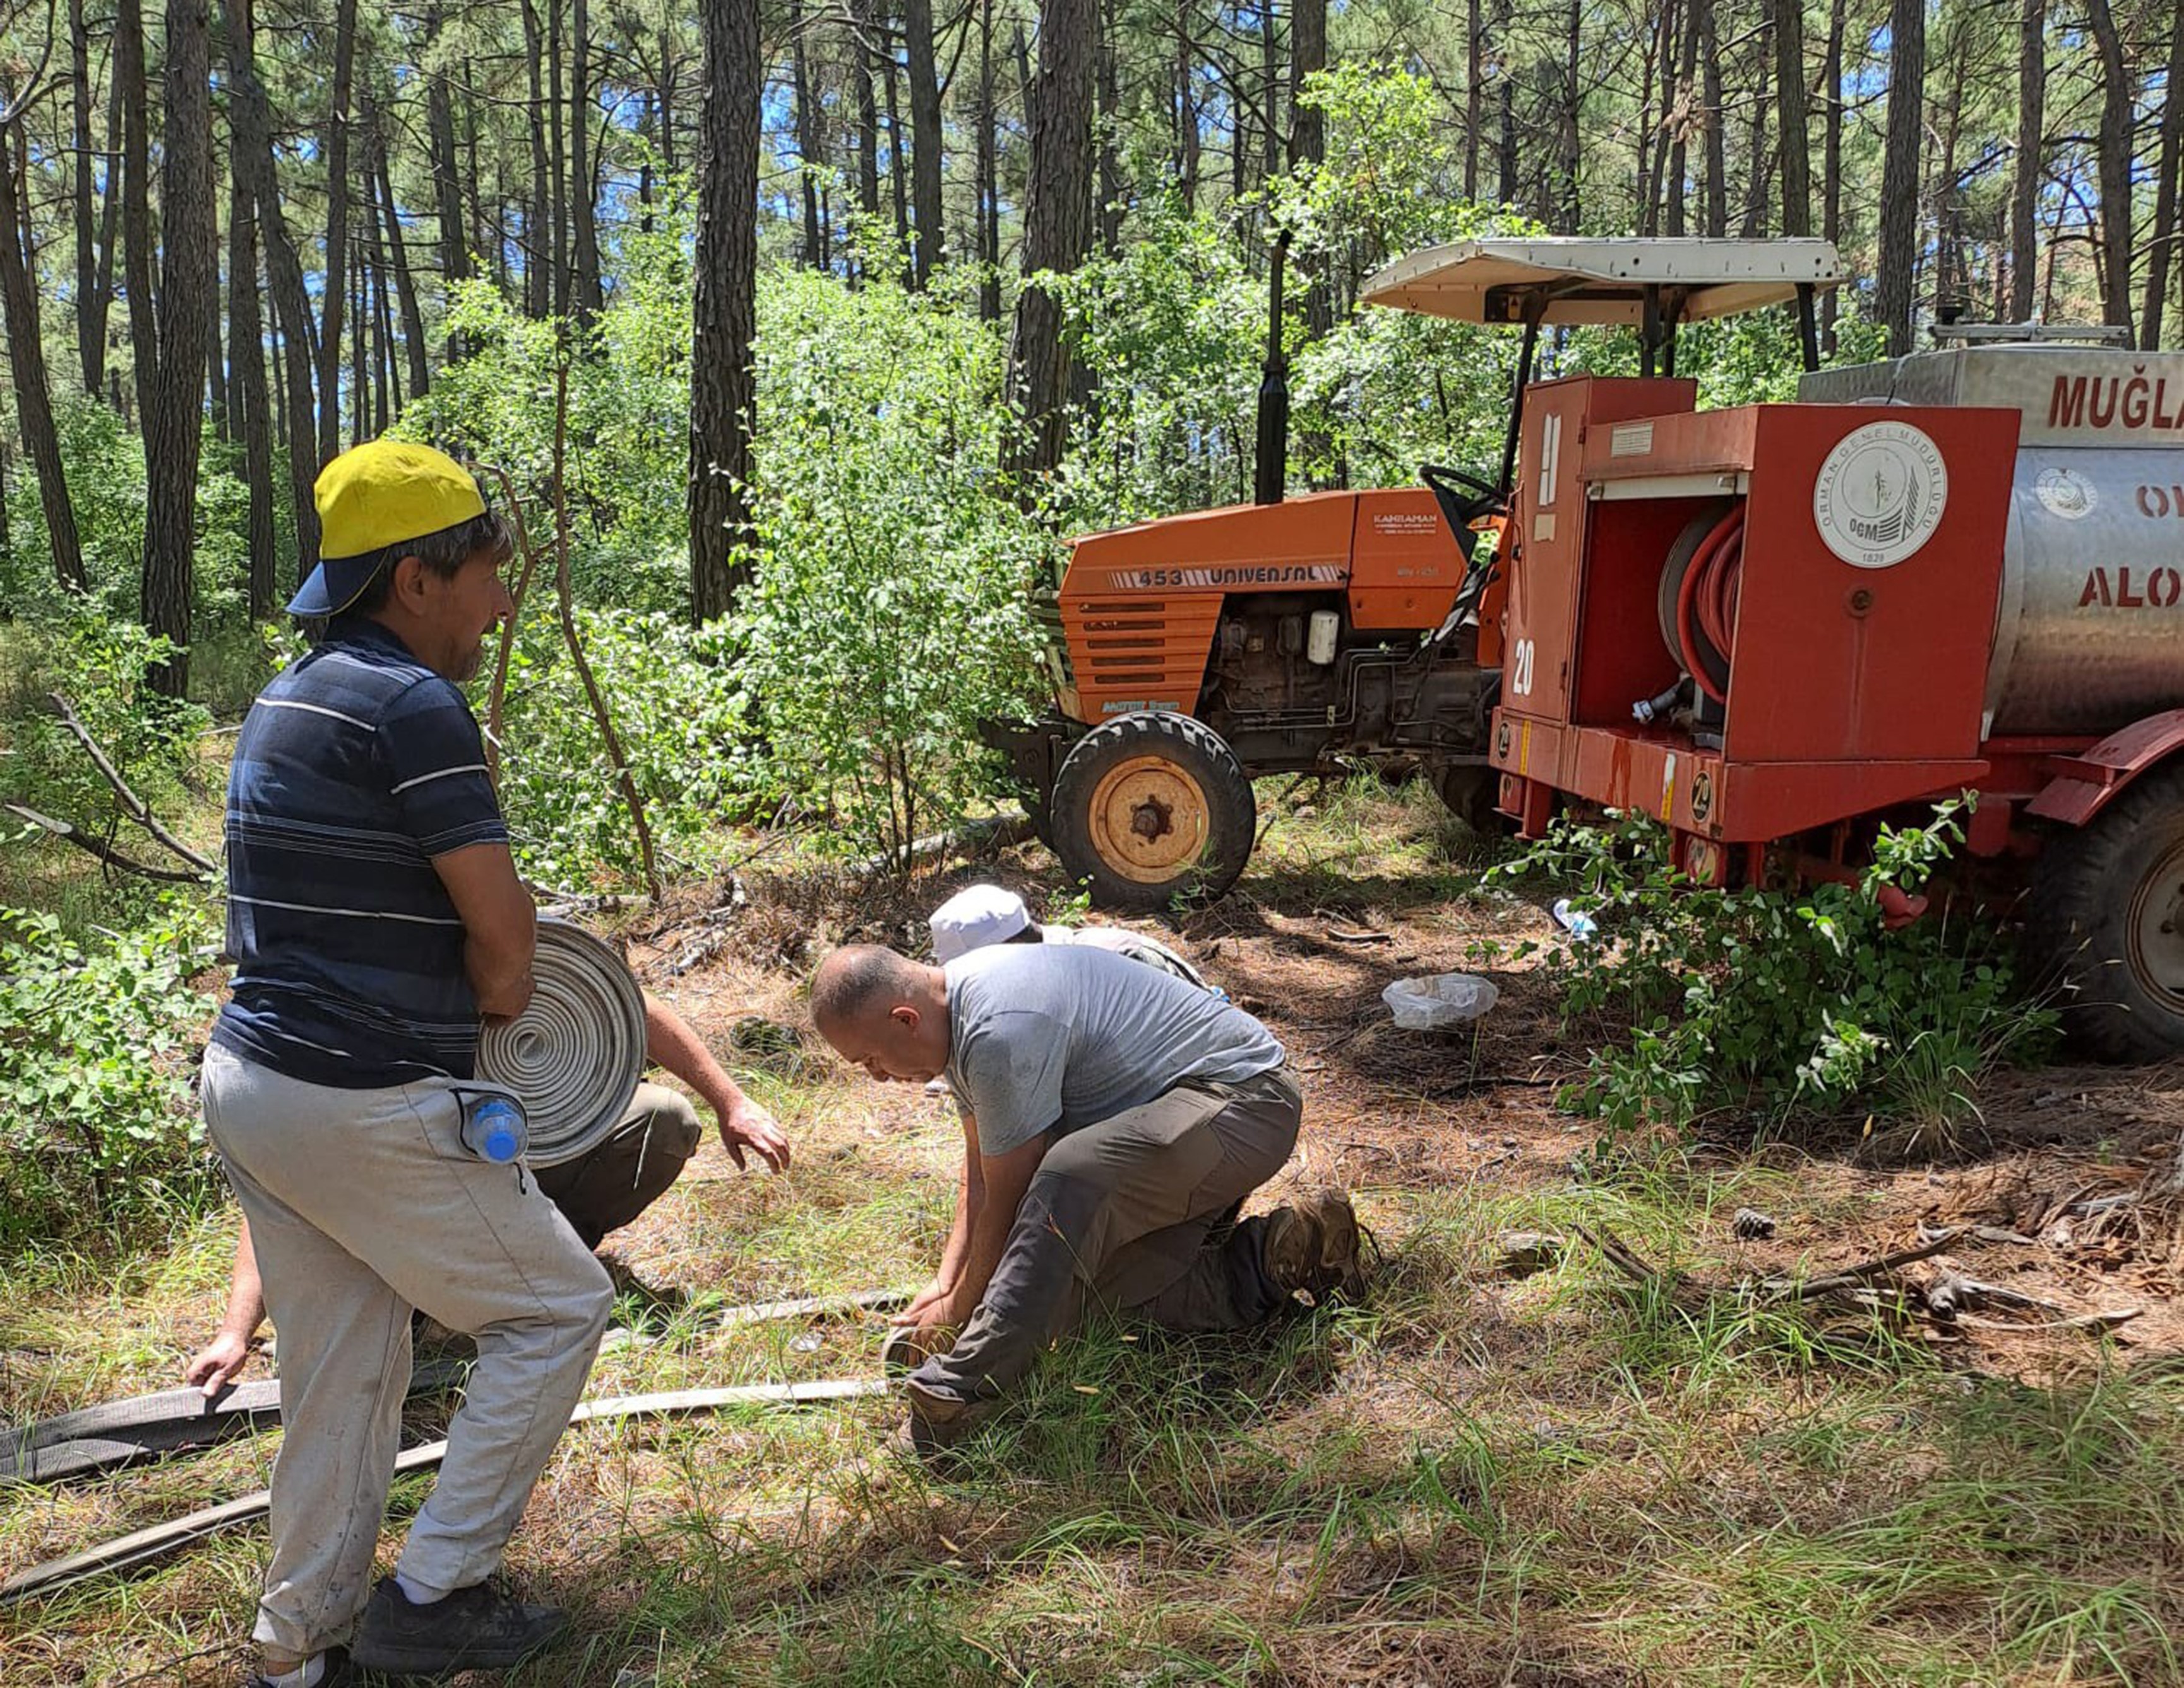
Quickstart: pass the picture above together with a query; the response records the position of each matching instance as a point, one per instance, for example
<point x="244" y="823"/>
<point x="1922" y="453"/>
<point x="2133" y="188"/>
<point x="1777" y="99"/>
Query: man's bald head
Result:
<point x="883" y="1011"/>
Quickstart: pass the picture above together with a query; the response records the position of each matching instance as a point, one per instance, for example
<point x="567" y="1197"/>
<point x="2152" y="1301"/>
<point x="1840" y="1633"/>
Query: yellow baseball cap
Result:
<point x="372" y="496"/>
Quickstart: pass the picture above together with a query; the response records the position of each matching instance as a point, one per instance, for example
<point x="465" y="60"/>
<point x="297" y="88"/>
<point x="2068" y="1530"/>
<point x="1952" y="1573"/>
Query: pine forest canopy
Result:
<point x="266" y="228"/>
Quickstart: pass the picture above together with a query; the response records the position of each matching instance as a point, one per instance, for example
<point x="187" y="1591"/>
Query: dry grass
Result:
<point x="1562" y="1480"/>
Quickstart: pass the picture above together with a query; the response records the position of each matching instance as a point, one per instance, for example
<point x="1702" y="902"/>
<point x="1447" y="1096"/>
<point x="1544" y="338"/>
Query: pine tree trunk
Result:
<point x="1505" y="101"/>
<point x="361" y="427"/>
<point x="174" y="421"/>
<point x="405" y="283"/>
<point x="1058" y="225"/>
<point x="136" y="197"/>
<point x="811" y="151"/>
<point x="1270" y="91"/>
<point x="2114" y="156"/>
<point x="1572" y="135"/>
<point x="861" y="27"/>
<point x="2162" y="256"/>
<point x="538" y="220"/>
<point x="1896" y="287"/>
<point x="215" y="366"/>
<point x="925" y="137"/>
<point x="253" y="158"/>
<point x="583" y="185"/>
<point x="109" y="211"/>
<point x="246" y="352"/>
<point x="556" y="149"/>
<point x="1762" y="167"/>
<point x="89" y="297"/>
<point x="1716" y="159"/>
<point x="898" y="152"/>
<point x="26" y="363"/>
<point x="1308" y="140"/>
<point x="1107" y="207"/>
<point x="988" y="189"/>
<point x="1831" y="77"/>
<point x="1474" y="96"/>
<point x="1793" y="118"/>
<point x="447" y="183"/>
<point x="1682" y="113"/>
<point x="336" y="143"/>
<point x="725" y="308"/>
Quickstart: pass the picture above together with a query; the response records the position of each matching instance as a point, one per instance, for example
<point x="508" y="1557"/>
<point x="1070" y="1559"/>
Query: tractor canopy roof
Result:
<point x="1563" y="279"/>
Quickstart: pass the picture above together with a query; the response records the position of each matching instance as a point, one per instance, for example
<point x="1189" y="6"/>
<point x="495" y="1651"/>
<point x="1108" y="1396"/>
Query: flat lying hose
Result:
<point x="159" y="1540"/>
<point x="573" y="1057"/>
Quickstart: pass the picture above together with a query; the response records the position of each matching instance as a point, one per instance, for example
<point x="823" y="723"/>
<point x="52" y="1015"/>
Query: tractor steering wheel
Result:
<point x="1463" y="497"/>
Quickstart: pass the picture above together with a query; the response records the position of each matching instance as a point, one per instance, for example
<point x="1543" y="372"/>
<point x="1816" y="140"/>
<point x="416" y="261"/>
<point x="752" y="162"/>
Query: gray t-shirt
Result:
<point x="1061" y="1035"/>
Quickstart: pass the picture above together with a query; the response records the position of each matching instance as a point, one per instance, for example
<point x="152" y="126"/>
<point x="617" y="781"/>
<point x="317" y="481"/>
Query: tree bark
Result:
<point x="447" y="178"/>
<point x="1107" y="207"/>
<point x="1896" y="287"/>
<point x="1573" y="111"/>
<point x="1187" y="143"/>
<point x="537" y="219"/>
<point x="1761" y="168"/>
<point x="174" y="421"/>
<point x="1474" y="96"/>
<point x="925" y="138"/>
<point x="2162" y="257"/>
<point x="136" y="195"/>
<point x="337" y="190"/>
<point x="725" y="308"/>
<point x="246" y="340"/>
<point x="898" y="153"/>
<point x="867" y="103"/>
<point x="252" y="124"/>
<point x="1058" y="225"/>
<point x="1717" y="157"/>
<point x="216" y="367"/>
<point x="1308" y="140"/>
<point x="584" y="188"/>
<point x="26" y="363"/>
<point x="1791" y="117"/>
<point x="1681" y="115"/>
<point x="988" y="185"/>
<point x="1270" y="91"/>
<point x="556" y="149"/>
<point x="1831" y="161"/>
<point x="1505" y="101"/>
<point x="90" y="296"/>
<point x="397" y="248"/>
<point x="2114" y="157"/>
<point x="810" y="150"/>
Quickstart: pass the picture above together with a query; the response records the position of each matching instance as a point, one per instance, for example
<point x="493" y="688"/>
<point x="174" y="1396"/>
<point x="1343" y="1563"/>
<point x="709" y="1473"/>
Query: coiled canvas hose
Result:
<point x="573" y="1057"/>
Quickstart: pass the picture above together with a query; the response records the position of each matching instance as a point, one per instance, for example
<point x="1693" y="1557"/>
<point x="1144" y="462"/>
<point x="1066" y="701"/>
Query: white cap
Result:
<point x="974" y="917"/>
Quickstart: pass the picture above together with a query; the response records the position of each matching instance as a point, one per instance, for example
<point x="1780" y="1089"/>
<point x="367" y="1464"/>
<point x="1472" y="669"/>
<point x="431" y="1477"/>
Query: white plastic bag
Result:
<point x="1425" y="1005"/>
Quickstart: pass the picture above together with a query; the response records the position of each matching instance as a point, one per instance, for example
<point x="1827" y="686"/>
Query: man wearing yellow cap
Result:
<point x="375" y="915"/>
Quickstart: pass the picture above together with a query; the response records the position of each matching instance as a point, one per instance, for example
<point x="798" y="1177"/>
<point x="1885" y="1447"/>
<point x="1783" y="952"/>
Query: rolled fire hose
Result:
<point x="573" y="1057"/>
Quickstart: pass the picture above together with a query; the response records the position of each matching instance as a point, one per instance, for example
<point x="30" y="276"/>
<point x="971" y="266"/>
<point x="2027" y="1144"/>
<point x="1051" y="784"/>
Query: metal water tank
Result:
<point x="2089" y="632"/>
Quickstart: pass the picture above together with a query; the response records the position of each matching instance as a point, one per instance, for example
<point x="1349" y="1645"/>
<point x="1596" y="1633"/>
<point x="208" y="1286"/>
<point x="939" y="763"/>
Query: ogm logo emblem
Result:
<point x="1880" y="494"/>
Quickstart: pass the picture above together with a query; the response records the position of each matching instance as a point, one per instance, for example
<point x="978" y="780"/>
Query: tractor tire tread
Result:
<point x="1233" y="816"/>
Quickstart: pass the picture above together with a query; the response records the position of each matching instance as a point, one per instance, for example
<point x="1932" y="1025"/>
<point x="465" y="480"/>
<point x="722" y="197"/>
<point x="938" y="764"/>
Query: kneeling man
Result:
<point x="1112" y="1114"/>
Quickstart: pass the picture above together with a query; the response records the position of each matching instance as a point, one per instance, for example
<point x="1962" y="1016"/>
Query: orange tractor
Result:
<point x="1191" y="655"/>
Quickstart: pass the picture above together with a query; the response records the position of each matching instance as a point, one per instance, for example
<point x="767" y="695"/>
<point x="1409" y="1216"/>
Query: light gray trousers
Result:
<point x="362" y="1204"/>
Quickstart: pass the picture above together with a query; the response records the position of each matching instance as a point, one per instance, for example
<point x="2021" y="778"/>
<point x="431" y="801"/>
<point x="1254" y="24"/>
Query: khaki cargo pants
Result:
<point x="362" y="1204"/>
<point x="1119" y="1216"/>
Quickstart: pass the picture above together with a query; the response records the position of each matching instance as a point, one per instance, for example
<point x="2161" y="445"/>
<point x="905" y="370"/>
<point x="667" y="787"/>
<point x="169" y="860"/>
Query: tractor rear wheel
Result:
<point x="1470" y="794"/>
<point x="1149" y="807"/>
<point x="2106" y="923"/>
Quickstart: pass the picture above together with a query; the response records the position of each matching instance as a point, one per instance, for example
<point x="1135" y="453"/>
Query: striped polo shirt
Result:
<point x="356" y="767"/>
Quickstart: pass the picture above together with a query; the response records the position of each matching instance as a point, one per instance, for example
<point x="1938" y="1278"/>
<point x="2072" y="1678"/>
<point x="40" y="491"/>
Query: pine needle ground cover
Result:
<point x="1572" y="1477"/>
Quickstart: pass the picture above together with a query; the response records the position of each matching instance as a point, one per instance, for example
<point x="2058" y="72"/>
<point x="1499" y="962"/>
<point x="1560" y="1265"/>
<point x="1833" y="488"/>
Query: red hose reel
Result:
<point x="1705" y="604"/>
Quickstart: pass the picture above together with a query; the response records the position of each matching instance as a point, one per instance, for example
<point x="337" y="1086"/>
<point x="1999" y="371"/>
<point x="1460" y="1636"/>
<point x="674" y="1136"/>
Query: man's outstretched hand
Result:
<point x="749" y="1126"/>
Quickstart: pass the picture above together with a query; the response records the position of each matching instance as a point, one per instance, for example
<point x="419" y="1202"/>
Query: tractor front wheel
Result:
<point x="2106" y="924"/>
<point x="1149" y="807"/>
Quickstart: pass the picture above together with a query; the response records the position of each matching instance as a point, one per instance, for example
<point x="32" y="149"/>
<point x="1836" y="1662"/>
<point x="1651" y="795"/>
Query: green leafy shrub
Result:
<point x="680" y="713"/>
<point x="1781" y="1000"/>
<point x="890" y="610"/>
<point x="94" y="1046"/>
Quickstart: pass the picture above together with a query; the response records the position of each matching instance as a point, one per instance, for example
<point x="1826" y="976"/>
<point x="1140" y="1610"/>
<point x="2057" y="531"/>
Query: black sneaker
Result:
<point x="477" y="1627"/>
<point x="1314" y="1246"/>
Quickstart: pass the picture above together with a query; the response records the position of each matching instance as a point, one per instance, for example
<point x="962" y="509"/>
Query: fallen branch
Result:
<point x="143" y="1545"/>
<point x="132" y="805"/>
<point x="1342" y="936"/>
<point x="1617" y="1255"/>
<point x="1848" y="1276"/>
<point x="69" y="833"/>
<point x="2107" y="1321"/>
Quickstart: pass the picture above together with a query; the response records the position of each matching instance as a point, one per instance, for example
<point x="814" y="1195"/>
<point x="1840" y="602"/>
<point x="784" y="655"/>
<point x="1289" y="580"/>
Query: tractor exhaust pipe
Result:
<point x="1272" y="461"/>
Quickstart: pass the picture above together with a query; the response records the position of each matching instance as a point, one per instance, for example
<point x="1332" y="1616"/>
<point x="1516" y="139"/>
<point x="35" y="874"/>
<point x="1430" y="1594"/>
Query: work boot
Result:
<point x="1314" y="1246"/>
<point x="908" y="1346"/>
<point x="938" y="1423"/>
<point x="477" y="1627"/>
